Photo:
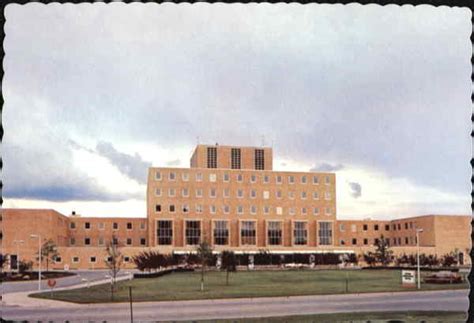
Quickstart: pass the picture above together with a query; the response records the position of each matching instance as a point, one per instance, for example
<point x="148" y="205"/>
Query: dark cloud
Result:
<point x="356" y="189"/>
<point x="326" y="167"/>
<point x="131" y="165"/>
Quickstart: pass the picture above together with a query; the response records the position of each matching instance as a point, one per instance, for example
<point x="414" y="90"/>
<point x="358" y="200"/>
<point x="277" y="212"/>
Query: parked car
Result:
<point x="444" y="277"/>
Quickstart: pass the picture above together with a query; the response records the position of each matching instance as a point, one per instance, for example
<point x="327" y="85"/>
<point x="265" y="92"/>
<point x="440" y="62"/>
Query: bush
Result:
<point x="25" y="266"/>
<point x="152" y="260"/>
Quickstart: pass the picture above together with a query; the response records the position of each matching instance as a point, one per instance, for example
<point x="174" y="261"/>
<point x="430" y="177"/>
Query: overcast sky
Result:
<point x="95" y="94"/>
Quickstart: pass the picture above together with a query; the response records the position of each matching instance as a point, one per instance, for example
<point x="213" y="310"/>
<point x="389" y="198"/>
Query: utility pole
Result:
<point x="39" y="258"/>
<point x="131" y="302"/>
<point x="418" y="231"/>
<point x="18" y="242"/>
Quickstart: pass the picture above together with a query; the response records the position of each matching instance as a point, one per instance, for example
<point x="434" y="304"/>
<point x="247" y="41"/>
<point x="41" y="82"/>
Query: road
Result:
<point x="89" y="275"/>
<point x="241" y="308"/>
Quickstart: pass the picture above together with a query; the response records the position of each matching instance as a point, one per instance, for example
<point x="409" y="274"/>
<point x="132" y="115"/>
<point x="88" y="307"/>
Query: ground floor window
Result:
<point x="193" y="232"/>
<point x="274" y="233"/>
<point x="164" y="232"/>
<point x="221" y="233"/>
<point x="300" y="233"/>
<point x="248" y="233"/>
<point x="325" y="233"/>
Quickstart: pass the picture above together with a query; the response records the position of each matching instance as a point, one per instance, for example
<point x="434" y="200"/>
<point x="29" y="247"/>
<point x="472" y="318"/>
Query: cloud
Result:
<point x="131" y="165"/>
<point x="326" y="167"/>
<point x="175" y="162"/>
<point x="356" y="189"/>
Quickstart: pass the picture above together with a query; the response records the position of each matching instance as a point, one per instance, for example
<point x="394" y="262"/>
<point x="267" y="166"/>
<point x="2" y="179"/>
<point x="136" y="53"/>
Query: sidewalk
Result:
<point x="22" y="299"/>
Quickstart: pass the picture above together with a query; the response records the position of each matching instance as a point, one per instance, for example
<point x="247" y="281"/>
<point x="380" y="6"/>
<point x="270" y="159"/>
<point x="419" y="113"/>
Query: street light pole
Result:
<point x="18" y="242"/>
<point x="418" y="231"/>
<point x="39" y="257"/>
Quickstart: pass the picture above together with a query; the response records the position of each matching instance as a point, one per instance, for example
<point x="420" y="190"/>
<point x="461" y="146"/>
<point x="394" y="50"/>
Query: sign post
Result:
<point x="51" y="284"/>
<point x="408" y="278"/>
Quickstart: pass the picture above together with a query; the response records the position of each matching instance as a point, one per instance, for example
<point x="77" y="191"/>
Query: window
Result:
<point x="221" y="233"/>
<point x="327" y="195"/>
<point x="394" y="241"/>
<point x="198" y="208"/>
<point x="226" y="209"/>
<point x="226" y="192"/>
<point x="240" y="209"/>
<point x="300" y="233"/>
<point x="266" y="195"/>
<point x="394" y="227"/>
<point x="354" y="241"/>
<point x="171" y="192"/>
<point x="291" y="179"/>
<point x="376" y="227"/>
<point x="101" y="241"/>
<point x="274" y="233"/>
<point x="157" y="191"/>
<point x="366" y="241"/>
<point x="316" y="210"/>
<point x="253" y="209"/>
<point x="303" y="179"/>
<point x="303" y="211"/>
<point x="266" y="209"/>
<point x="129" y="241"/>
<point x="406" y="240"/>
<point x="129" y="226"/>
<point x="211" y="157"/>
<point x="387" y="227"/>
<point x="291" y="195"/>
<point x="266" y="179"/>
<point x="315" y="180"/>
<point x="406" y="225"/>
<point x="185" y="208"/>
<point x="235" y="158"/>
<point x="327" y="180"/>
<point x="278" y="194"/>
<point x="199" y="192"/>
<point x="240" y="193"/>
<point x="87" y="225"/>
<point x="158" y="208"/>
<point x="164" y="232"/>
<point x="212" y="192"/>
<point x="342" y="227"/>
<point x="365" y="227"/>
<point x="291" y="210"/>
<point x="172" y="176"/>
<point x="72" y="225"/>
<point x="259" y="159"/>
<point x="253" y="194"/>
<point x="226" y="177"/>
<point x="315" y="196"/>
<point x="143" y="241"/>
<point x="158" y="175"/>
<point x="399" y="227"/>
<point x="248" y="233"/>
<point x="172" y="208"/>
<point x="240" y="178"/>
<point x="185" y="177"/>
<point x="353" y="227"/>
<point x="411" y="225"/>
<point x="72" y="241"/>
<point x="303" y="195"/>
<point x="212" y="209"/>
<point x="75" y="259"/>
<point x="198" y="177"/>
<point x="126" y="259"/>
<point x="57" y="259"/>
<point x="328" y="211"/>
<point x="325" y="233"/>
<point x="185" y="192"/>
<point x="115" y="226"/>
<point x="193" y="232"/>
<point x="212" y="178"/>
<point x="342" y="242"/>
<point x="399" y="241"/>
<point x="115" y="241"/>
<point x="253" y="178"/>
<point x="278" y="179"/>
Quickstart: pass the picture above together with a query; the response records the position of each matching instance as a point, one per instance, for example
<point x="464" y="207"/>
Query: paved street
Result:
<point x="234" y="308"/>
<point x="89" y="275"/>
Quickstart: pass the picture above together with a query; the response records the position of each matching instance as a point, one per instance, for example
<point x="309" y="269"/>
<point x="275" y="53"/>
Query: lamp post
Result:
<point x="418" y="231"/>
<point x="34" y="236"/>
<point x="18" y="242"/>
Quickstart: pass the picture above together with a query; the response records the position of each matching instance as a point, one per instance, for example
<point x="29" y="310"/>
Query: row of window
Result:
<point x="92" y="259"/>
<point x="226" y="177"/>
<point x="395" y="241"/>
<point x="240" y="209"/>
<point x="101" y="241"/>
<point x="365" y="227"/>
<point x="240" y="193"/>
<point x="101" y="225"/>
<point x="247" y="235"/>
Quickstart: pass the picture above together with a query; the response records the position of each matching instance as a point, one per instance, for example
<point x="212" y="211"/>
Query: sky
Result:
<point x="95" y="94"/>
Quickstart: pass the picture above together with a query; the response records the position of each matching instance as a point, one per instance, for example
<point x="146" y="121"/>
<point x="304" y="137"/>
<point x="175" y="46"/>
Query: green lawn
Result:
<point x="392" y="317"/>
<point x="185" y="286"/>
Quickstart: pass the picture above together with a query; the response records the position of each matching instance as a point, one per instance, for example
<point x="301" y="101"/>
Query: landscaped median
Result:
<point x="186" y="285"/>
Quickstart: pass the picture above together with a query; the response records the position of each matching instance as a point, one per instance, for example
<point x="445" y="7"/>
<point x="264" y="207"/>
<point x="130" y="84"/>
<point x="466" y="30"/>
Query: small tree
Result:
<point x="49" y="251"/>
<point x="370" y="258"/>
<point x="113" y="262"/>
<point x="204" y="253"/>
<point x="383" y="254"/>
<point x="3" y="260"/>
<point x="448" y="260"/>
<point x="24" y="266"/>
<point x="228" y="263"/>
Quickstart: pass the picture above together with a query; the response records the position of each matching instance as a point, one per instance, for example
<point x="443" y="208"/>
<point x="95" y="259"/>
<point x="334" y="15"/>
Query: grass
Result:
<point x="414" y="316"/>
<point x="185" y="286"/>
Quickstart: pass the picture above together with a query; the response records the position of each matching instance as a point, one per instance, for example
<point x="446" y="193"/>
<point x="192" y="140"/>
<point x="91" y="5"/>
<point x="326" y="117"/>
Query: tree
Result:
<point x="151" y="260"/>
<point x="204" y="253"/>
<point x="24" y="266"/>
<point x="228" y="263"/>
<point x="382" y="253"/>
<point x="3" y="260"/>
<point x="370" y="258"/>
<point x="448" y="260"/>
<point x="113" y="262"/>
<point x="49" y="251"/>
